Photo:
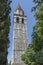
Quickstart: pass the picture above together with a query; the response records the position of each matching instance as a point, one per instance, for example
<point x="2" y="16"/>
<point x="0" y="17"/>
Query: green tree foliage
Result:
<point x="32" y="58"/>
<point x="34" y="53"/>
<point x="4" y="30"/>
<point x="37" y="36"/>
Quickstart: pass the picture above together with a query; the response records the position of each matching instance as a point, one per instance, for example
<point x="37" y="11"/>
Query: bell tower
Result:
<point x="20" y="39"/>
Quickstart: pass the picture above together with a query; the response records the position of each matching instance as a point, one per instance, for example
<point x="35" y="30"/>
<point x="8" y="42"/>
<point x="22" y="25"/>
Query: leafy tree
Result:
<point x="34" y="53"/>
<point x="4" y="30"/>
<point x="37" y="36"/>
<point x="32" y="58"/>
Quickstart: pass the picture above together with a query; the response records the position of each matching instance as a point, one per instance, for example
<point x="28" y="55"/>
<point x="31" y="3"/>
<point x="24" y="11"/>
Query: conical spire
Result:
<point x="19" y="10"/>
<point x="18" y="7"/>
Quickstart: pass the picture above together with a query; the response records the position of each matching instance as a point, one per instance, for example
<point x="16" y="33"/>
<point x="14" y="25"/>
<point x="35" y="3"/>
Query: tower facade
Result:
<point x="20" y="39"/>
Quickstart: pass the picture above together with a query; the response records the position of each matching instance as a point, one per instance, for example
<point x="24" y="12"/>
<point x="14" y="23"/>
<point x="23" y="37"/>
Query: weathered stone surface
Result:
<point x="20" y="40"/>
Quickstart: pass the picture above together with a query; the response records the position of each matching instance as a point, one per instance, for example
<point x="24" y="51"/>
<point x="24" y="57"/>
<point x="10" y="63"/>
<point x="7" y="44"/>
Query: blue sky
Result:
<point x="26" y="6"/>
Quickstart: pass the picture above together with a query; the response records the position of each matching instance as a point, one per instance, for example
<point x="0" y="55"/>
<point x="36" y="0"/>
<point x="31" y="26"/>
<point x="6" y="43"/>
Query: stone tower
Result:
<point x="20" y="40"/>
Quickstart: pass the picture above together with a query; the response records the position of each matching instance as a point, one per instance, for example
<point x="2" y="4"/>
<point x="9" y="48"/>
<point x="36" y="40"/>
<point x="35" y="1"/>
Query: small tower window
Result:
<point x="17" y="20"/>
<point x="22" y="20"/>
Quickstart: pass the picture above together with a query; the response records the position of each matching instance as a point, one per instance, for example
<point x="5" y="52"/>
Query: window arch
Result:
<point x="22" y="20"/>
<point x="17" y="19"/>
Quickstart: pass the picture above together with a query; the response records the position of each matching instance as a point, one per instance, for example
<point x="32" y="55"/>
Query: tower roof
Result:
<point x="19" y="10"/>
<point x="19" y="7"/>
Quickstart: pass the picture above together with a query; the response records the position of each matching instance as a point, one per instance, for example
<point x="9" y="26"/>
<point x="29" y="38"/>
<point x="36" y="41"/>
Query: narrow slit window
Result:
<point x="22" y="20"/>
<point x="17" y="20"/>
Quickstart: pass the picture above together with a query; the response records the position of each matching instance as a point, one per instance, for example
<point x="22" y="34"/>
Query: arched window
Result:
<point x="17" y="20"/>
<point x="22" y="20"/>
